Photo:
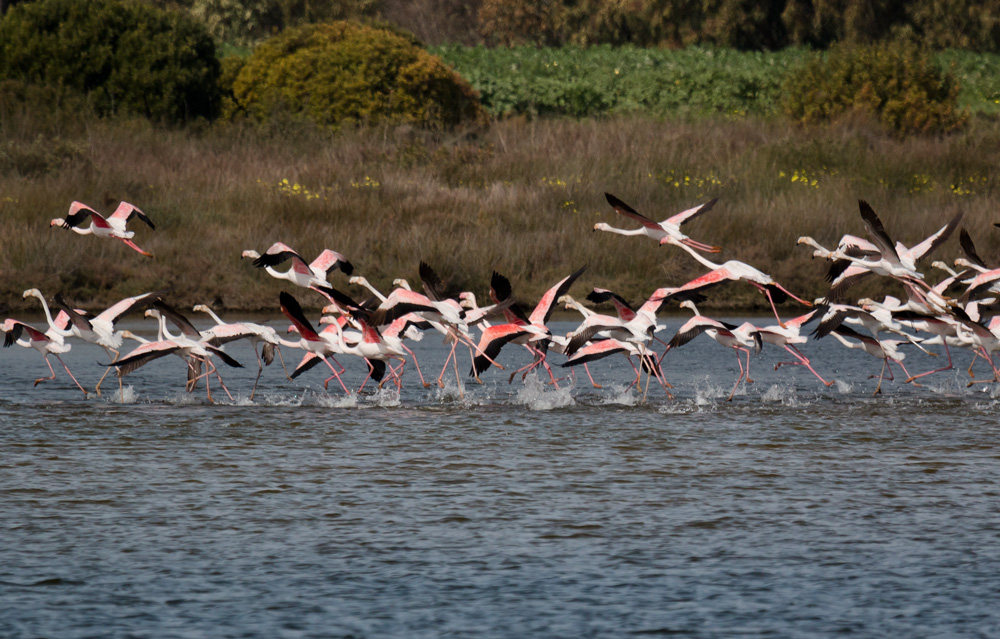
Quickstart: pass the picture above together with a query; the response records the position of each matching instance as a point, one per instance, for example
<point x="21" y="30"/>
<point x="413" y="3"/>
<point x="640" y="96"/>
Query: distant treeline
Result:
<point x="741" y="24"/>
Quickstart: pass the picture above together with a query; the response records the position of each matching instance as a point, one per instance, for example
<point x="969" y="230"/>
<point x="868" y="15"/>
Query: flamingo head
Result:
<point x="57" y="222"/>
<point x="32" y="292"/>
<point x="201" y="308"/>
<point x="250" y="253"/>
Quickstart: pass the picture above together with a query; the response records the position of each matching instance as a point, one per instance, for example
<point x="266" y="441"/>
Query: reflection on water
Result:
<point x="500" y="510"/>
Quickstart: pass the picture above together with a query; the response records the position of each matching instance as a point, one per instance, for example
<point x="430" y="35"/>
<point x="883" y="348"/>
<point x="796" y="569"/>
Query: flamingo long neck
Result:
<point x="611" y="229"/>
<point x="586" y="312"/>
<point x="162" y="332"/>
<point x="48" y="317"/>
<point x="215" y="317"/>
<point x="365" y="283"/>
<point x="706" y="262"/>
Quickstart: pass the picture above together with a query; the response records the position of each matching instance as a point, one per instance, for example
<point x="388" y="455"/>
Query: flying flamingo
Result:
<point x="41" y="343"/>
<point x="95" y="329"/>
<point x="893" y="258"/>
<point x="163" y="311"/>
<point x="734" y="270"/>
<point x="113" y="226"/>
<point x="666" y="232"/>
<point x="305" y="274"/>
<point x="530" y="331"/>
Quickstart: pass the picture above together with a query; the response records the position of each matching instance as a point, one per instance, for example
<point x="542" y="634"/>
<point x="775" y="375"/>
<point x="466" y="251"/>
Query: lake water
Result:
<point x="516" y="510"/>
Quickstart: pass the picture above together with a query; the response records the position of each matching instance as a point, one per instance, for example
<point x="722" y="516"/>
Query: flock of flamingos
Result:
<point x="956" y="311"/>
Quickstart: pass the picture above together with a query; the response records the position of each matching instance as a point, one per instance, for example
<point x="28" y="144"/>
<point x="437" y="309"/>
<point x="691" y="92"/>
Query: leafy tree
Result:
<point x="125" y="57"/>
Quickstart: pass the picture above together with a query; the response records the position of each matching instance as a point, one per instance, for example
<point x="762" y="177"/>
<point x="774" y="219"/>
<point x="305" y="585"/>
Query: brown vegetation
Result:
<point x="520" y="198"/>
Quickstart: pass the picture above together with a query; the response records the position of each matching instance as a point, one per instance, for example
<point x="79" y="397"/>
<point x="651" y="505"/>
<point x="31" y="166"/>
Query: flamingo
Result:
<point x="310" y="341"/>
<point x="885" y="349"/>
<point x="187" y="349"/>
<point x="193" y="346"/>
<point x="42" y="343"/>
<point x="305" y="274"/>
<point x="606" y="347"/>
<point x="113" y="226"/>
<point x="223" y="333"/>
<point x="741" y="339"/>
<point x="374" y="346"/>
<point x="98" y="329"/>
<point x="893" y="259"/>
<point x="734" y="270"/>
<point x="530" y="331"/>
<point x="666" y="232"/>
<point x="788" y="336"/>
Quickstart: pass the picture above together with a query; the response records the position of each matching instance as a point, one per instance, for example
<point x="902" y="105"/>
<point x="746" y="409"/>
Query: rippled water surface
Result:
<point x="516" y="510"/>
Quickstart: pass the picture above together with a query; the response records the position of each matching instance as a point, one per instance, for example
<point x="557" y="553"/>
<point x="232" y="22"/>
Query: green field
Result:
<point x="661" y="82"/>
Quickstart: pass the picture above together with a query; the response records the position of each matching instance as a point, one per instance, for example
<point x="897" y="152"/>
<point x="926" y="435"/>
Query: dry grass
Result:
<point x="520" y="198"/>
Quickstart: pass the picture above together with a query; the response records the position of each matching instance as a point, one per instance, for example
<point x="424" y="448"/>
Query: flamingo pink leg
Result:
<point x="936" y="370"/>
<point x="803" y="361"/>
<point x="54" y="373"/>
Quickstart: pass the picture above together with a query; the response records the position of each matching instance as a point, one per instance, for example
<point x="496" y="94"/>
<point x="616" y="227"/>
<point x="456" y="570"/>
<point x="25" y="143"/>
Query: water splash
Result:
<point x="843" y="387"/>
<point x="385" y="398"/>
<point x="535" y="396"/>
<point x="450" y="393"/>
<point x="337" y="401"/>
<point x="707" y="393"/>
<point x="784" y="394"/>
<point x="621" y="395"/>
<point x="124" y="396"/>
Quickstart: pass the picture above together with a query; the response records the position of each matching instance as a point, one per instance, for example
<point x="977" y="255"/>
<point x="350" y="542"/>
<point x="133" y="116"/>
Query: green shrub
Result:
<point x="125" y="57"/>
<point x="896" y="83"/>
<point x="346" y="73"/>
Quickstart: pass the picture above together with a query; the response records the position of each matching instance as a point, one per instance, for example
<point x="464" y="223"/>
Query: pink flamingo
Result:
<point x="531" y="331"/>
<point x="734" y="270"/>
<point x="41" y="343"/>
<point x="310" y="340"/>
<point x="666" y="232"/>
<point x="113" y="226"/>
<point x="741" y="338"/>
<point x="606" y="347"/>
<point x="223" y="333"/>
<point x="788" y="336"/>
<point x="305" y="274"/>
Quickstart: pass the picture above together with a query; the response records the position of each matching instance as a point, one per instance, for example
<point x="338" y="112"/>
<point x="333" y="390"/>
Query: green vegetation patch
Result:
<point x="344" y="73"/>
<point x="125" y="57"/>
<point x="896" y="83"/>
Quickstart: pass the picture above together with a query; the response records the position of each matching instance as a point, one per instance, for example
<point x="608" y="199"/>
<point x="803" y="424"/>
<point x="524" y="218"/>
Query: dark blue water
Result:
<point x="517" y="510"/>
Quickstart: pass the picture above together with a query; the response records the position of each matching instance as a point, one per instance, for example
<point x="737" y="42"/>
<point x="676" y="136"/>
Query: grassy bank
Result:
<point x="520" y="198"/>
